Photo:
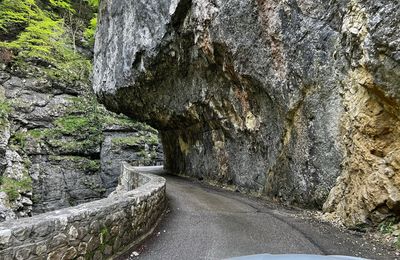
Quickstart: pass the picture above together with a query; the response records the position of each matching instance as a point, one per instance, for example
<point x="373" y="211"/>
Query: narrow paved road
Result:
<point x="209" y="223"/>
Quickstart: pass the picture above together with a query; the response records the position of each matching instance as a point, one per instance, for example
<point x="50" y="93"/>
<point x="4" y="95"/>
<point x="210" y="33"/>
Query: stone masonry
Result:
<point x="94" y="230"/>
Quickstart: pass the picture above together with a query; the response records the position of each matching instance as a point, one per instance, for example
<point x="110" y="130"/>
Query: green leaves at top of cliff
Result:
<point x="54" y="34"/>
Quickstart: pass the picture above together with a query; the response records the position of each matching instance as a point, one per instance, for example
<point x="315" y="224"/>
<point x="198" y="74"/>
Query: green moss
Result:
<point x="118" y="120"/>
<point x="76" y="146"/>
<point x="19" y="139"/>
<point x="143" y="154"/>
<point x="71" y="124"/>
<point x="79" y="162"/>
<point x="112" y="119"/>
<point x="38" y="133"/>
<point x="79" y="131"/>
<point x="102" y="117"/>
<point x="5" y="110"/>
<point x="128" y="141"/>
<point x="13" y="187"/>
<point x="90" y="165"/>
<point x="151" y="139"/>
<point x="73" y="70"/>
<point x="85" y="133"/>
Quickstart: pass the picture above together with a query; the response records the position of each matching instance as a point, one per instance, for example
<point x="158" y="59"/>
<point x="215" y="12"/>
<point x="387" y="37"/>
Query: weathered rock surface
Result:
<point x="131" y="146"/>
<point x="276" y="97"/>
<point x="53" y="143"/>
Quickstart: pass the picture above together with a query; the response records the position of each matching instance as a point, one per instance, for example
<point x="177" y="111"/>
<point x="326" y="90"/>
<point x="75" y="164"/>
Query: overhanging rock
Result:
<point x="265" y="95"/>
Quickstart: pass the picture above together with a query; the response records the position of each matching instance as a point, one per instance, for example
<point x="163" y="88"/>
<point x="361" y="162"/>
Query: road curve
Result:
<point x="209" y="223"/>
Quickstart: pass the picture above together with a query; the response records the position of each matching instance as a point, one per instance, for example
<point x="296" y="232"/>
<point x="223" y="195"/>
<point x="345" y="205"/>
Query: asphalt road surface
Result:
<point x="204" y="222"/>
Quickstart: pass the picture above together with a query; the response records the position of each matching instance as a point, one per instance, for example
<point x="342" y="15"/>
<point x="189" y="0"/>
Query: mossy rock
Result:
<point x="13" y="187"/>
<point x="138" y="140"/>
<point x="79" y="162"/>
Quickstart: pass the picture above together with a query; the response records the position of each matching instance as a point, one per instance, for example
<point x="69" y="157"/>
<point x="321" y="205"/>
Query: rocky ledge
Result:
<point x="58" y="146"/>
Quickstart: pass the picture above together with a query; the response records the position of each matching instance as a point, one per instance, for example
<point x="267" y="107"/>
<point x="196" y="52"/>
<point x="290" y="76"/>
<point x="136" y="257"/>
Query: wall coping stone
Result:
<point x="102" y="227"/>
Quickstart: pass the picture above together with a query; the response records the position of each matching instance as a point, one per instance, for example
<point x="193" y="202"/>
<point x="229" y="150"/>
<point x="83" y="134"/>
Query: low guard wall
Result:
<point x="95" y="230"/>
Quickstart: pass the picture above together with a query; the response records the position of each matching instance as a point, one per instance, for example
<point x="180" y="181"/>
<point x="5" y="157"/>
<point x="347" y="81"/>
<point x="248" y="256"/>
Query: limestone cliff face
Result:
<point x="58" y="146"/>
<point x="287" y="99"/>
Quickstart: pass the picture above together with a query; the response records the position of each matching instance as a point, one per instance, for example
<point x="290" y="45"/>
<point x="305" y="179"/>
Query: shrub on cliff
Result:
<point x="50" y="33"/>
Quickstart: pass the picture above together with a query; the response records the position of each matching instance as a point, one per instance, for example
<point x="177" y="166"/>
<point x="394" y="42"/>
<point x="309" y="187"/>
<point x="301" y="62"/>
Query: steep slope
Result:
<point x="279" y="98"/>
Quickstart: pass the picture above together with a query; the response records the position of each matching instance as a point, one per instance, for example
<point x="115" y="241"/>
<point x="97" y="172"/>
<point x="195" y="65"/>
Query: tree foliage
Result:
<point x="49" y="30"/>
<point x="40" y="39"/>
<point x="93" y="3"/>
<point x="62" y="4"/>
<point x="91" y="30"/>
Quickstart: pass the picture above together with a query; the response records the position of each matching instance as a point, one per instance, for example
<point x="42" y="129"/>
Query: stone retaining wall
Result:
<point x="95" y="230"/>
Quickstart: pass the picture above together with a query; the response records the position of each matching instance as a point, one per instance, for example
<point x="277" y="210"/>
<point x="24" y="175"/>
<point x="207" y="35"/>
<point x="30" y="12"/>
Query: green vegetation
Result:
<point x="37" y="133"/>
<point x="85" y="132"/>
<point x="145" y="154"/>
<point x="397" y="243"/>
<point x="19" y="139"/>
<point x="82" y="163"/>
<point x="52" y="40"/>
<point x="90" y="31"/>
<point x="48" y="32"/>
<point x="5" y="109"/>
<point x="390" y="227"/>
<point x="103" y="235"/>
<point x="80" y="130"/>
<point x="136" y="140"/>
<point x="70" y="135"/>
<point x="70" y="125"/>
<point x="387" y="226"/>
<point x="14" y="187"/>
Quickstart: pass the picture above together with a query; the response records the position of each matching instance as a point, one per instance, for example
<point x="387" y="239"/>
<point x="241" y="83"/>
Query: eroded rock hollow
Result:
<point x="296" y="100"/>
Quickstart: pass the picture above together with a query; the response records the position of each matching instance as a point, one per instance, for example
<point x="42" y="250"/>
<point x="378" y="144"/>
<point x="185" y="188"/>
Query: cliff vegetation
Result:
<point x="56" y="141"/>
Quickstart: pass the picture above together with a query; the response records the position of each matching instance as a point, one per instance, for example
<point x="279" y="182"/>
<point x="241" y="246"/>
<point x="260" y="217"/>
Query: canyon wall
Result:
<point x="294" y="100"/>
<point x="59" y="147"/>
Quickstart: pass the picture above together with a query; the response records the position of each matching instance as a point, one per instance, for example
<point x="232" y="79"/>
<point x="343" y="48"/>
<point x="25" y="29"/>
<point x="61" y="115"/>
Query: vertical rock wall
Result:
<point x="368" y="189"/>
<point x="276" y="97"/>
<point x="58" y="146"/>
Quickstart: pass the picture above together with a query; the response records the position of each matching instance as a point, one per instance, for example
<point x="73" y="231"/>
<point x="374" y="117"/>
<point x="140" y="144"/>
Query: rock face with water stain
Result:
<point x="287" y="99"/>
